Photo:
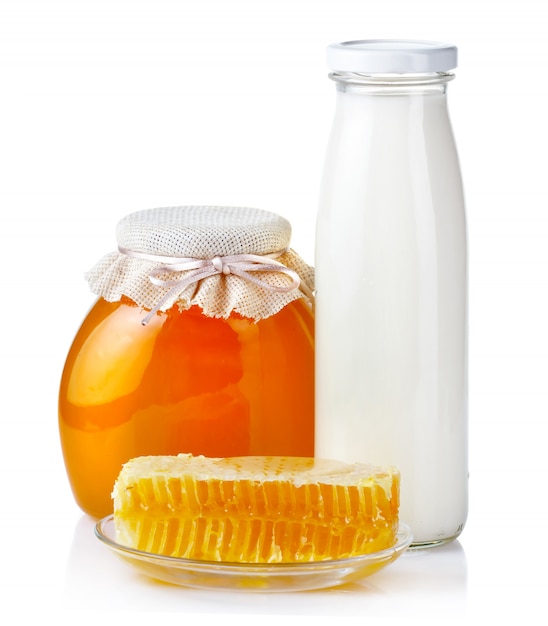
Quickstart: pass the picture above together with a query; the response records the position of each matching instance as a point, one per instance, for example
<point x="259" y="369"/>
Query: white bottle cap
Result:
<point x="391" y="56"/>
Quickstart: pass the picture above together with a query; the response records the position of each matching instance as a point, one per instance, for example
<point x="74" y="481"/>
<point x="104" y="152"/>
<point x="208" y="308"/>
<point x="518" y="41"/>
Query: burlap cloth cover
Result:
<point x="222" y="259"/>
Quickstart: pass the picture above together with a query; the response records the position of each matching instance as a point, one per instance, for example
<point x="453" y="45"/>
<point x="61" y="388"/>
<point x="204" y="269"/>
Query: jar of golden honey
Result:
<point x="201" y="340"/>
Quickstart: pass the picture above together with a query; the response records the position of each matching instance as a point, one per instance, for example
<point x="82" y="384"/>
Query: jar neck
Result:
<point x="392" y="84"/>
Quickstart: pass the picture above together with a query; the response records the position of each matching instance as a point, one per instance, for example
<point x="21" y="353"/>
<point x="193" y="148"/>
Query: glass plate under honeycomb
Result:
<point x="259" y="577"/>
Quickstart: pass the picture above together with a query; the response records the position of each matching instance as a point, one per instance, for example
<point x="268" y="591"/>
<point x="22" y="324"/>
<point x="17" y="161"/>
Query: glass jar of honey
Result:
<point x="201" y="340"/>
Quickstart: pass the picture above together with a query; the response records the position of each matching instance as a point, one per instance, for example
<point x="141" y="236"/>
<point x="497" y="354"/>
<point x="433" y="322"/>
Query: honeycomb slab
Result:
<point x="255" y="509"/>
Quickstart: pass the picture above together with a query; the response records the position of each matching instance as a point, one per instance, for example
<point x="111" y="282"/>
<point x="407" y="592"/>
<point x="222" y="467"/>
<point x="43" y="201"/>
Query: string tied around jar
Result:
<point x="245" y="266"/>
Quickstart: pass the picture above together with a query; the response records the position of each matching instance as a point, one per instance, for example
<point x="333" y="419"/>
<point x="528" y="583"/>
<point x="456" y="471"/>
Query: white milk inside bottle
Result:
<point x="391" y="280"/>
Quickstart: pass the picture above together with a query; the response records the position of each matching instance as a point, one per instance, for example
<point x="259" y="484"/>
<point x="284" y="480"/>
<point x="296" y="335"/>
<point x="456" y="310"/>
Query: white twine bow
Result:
<point x="242" y="265"/>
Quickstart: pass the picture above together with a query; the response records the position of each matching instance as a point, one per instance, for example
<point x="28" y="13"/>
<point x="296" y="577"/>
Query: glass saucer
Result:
<point x="253" y="576"/>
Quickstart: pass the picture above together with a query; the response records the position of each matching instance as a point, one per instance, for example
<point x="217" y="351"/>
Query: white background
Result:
<point x="111" y="106"/>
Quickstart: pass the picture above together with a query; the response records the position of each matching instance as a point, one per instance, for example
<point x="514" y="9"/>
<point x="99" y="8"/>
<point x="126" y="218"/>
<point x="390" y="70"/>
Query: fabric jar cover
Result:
<point x="222" y="259"/>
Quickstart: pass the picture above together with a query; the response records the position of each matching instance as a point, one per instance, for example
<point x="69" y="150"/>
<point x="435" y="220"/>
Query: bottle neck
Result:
<point x="392" y="84"/>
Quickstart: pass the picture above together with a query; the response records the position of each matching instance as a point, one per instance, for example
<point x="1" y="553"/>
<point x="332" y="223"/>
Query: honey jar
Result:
<point x="201" y="340"/>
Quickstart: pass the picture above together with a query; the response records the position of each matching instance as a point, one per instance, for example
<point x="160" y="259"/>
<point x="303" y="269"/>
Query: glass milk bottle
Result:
<point x="391" y="280"/>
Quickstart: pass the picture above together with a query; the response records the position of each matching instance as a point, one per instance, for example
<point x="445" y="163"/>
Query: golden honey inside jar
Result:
<point x="201" y="341"/>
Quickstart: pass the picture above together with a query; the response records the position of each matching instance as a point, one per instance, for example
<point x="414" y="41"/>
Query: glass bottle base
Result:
<point x="434" y="543"/>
